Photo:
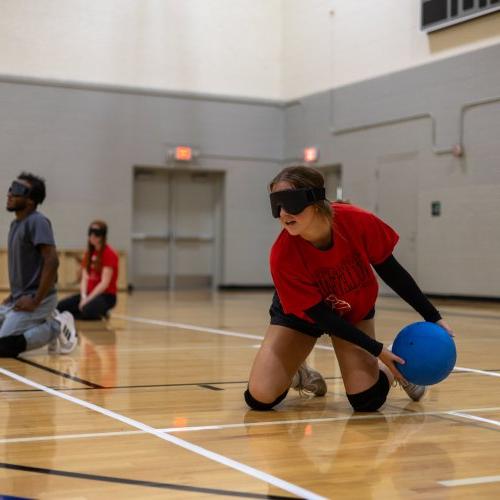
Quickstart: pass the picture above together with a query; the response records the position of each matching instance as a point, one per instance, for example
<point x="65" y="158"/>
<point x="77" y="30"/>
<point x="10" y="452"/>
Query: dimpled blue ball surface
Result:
<point x="428" y="350"/>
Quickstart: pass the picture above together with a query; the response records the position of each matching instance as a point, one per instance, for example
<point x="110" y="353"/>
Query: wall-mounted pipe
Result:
<point x="439" y="151"/>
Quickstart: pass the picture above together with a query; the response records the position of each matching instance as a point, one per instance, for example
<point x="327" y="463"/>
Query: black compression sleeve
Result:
<point x="332" y="323"/>
<point x="404" y="285"/>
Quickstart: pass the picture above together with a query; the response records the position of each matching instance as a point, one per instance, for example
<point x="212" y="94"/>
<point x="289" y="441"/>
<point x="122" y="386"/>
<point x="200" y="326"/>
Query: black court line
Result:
<point x="62" y="374"/>
<point x="207" y="385"/>
<point x="136" y="482"/>
<point x="211" y="387"/>
<point x="10" y="497"/>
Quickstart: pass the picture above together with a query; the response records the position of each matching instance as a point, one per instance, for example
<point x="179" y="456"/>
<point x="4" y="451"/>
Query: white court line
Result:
<point x="317" y="346"/>
<point x="470" y="480"/>
<point x="472" y="370"/>
<point x="475" y="417"/>
<point x="260" y="475"/>
<point x="228" y="333"/>
<point x="255" y="424"/>
<point x="187" y="327"/>
<point x="196" y="328"/>
<point x="63" y="437"/>
<point x="170" y="349"/>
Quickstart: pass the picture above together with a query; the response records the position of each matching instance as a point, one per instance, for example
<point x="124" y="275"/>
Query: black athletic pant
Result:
<point x="95" y="309"/>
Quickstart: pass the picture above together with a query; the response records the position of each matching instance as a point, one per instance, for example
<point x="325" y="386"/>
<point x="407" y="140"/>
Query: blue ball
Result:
<point x="428" y="350"/>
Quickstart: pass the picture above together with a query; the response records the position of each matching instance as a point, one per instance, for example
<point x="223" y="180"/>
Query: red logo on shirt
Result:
<point x="338" y="305"/>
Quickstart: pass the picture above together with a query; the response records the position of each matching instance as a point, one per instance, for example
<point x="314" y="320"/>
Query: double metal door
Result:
<point x="177" y="227"/>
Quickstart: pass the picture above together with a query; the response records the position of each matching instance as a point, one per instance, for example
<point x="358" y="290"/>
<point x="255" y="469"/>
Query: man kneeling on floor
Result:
<point x="28" y="318"/>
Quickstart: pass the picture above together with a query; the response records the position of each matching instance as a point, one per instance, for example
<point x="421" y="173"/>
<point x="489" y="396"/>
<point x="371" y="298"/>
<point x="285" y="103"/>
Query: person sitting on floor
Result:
<point x="98" y="284"/>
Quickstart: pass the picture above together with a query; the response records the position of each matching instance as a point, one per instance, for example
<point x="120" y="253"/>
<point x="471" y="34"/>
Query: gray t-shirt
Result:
<point x="25" y="259"/>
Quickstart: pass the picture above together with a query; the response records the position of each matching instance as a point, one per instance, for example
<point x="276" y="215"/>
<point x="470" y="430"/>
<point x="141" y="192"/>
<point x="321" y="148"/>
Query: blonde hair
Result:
<point x="300" y="176"/>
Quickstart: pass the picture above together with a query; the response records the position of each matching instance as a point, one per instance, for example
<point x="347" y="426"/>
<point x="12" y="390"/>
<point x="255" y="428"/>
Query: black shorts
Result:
<point x="279" y="317"/>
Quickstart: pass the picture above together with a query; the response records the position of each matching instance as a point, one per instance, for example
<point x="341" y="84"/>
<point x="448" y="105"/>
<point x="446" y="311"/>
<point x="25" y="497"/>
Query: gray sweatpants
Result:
<point x="38" y="326"/>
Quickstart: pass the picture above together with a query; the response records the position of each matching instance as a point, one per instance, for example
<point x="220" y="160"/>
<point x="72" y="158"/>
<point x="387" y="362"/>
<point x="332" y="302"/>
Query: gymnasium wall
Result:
<point x="332" y="43"/>
<point x="86" y="142"/>
<point x="272" y="49"/>
<point x="393" y="137"/>
<point x="228" y="47"/>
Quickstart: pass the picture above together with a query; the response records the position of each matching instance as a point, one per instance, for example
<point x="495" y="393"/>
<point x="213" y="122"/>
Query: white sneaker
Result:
<point x="416" y="392"/>
<point x="309" y="382"/>
<point x="67" y="337"/>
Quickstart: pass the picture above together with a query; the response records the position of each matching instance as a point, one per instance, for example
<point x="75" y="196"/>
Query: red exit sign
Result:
<point x="183" y="153"/>
<point x="311" y="155"/>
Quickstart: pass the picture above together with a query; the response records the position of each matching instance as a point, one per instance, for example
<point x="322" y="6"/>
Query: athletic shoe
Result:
<point x="309" y="382"/>
<point x="416" y="392"/>
<point x="67" y="336"/>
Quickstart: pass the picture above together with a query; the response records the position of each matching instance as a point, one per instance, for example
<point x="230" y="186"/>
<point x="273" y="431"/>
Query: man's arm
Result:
<point x="47" y="280"/>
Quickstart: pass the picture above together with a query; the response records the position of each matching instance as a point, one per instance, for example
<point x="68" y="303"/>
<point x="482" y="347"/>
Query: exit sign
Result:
<point x="183" y="153"/>
<point x="311" y="155"/>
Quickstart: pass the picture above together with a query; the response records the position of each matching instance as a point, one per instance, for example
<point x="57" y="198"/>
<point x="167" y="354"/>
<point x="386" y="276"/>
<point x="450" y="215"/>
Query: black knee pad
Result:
<point x="12" y="345"/>
<point x="257" y="405"/>
<point x="373" y="398"/>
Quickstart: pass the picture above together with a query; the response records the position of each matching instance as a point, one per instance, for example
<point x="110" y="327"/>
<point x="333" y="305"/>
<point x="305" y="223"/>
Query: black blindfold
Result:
<point x="295" y="200"/>
<point x="19" y="189"/>
<point x="97" y="231"/>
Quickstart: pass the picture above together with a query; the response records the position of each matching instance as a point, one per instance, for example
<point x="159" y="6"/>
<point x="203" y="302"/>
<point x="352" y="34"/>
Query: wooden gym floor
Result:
<point x="150" y="406"/>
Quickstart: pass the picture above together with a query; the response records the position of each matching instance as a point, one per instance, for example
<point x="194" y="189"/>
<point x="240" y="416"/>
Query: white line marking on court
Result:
<point x="228" y="333"/>
<point x="62" y="437"/>
<point x="470" y="480"/>
<point x="475" y="417"/>
<point x="184" y="326"/>
<point x="252" y="424"/>
<point x="317" y="346"/>
<point x="260" y="475"/>
<point x="190" y="348"/>
<point x="196" y="328"/>
<point x="472" y="370"/>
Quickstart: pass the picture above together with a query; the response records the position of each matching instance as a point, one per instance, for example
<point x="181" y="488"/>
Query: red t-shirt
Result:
<point x="341" y="276"/>
<point x="109" y="259"/>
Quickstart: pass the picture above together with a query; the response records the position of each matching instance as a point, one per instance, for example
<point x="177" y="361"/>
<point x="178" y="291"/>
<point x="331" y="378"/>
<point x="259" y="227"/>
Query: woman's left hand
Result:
<point x="442" y="323"/>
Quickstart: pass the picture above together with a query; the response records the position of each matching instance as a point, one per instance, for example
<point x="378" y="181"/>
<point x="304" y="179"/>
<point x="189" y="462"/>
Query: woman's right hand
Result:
<point x="389" y="359"/>
<point x="447" y="327"/>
